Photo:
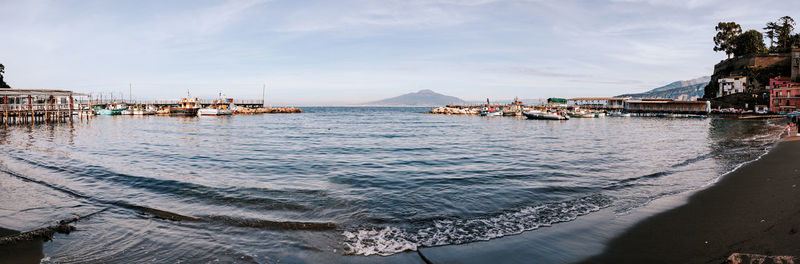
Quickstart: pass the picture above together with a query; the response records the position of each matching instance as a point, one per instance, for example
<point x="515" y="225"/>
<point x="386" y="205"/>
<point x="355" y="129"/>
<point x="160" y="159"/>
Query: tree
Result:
<point x="749" y="42"/>
<point x="784" y="33"/>
<point x="726" y="33"/>
<point x="771" y="30"/>
<point x="3" y="84"/>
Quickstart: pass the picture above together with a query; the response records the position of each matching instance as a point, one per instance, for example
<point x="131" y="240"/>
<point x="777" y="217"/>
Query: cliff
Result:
<point x="757" y="68"/>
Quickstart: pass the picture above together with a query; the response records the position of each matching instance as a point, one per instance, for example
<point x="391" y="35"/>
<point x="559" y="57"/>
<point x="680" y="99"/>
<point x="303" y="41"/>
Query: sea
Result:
<point x="344" y="184"/>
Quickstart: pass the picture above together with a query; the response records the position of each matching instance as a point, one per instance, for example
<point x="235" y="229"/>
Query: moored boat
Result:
<point x="186" y="107"/>
<point x="110" y="109"/>
<point x="220" y="107"/>
<point x="141" y="110"/>
<point x="545" y="115"/>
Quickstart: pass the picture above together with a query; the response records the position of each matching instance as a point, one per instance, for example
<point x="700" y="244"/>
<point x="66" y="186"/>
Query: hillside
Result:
<point x="680" y="90"/>
<point x="421" y="98"/>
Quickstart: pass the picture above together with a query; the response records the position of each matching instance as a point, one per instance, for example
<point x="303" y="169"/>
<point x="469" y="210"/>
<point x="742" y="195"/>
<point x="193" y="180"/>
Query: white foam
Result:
<point x="390" y="240"/>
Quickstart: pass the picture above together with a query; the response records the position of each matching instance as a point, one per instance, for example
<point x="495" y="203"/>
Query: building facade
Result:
<point x="784" y="95"/>
<point x="608" y="103"/>
<point x="731" y="85"/>
<point x="668" y="106"/>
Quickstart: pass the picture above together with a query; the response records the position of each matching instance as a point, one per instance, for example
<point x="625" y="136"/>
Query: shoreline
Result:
<point x="752" y="210"/>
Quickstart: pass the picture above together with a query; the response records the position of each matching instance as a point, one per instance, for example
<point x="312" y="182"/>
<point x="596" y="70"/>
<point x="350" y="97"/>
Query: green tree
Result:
<point x="726" y="34"/>
<point x="784" y="33"/>
<point x="771" y="31"/>
<point x="749" y="42"/>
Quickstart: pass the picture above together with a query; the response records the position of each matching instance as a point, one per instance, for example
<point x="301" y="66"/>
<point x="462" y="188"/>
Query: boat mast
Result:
<point x="264" y="95"/>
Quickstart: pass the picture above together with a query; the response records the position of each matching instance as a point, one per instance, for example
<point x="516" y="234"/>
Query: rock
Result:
<point x="267" y="110"/>
<point x="744" y="258"/>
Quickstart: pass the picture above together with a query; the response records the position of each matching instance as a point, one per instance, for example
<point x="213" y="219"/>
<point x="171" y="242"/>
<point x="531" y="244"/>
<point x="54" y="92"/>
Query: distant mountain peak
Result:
<point x="424" y="97"/>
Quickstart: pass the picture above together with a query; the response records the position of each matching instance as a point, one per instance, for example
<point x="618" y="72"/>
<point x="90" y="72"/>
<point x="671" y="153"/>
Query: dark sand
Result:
<point x="755" y="209"/>
<point x="21" y="252"/>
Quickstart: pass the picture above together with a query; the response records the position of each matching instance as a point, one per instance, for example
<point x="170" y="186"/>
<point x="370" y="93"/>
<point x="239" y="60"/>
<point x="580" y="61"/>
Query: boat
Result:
<point x="545" y="115"/>
<point x="620" y="114"/>
<point x="141" y="110"/>
<point x="218" y="108"/>
<point x="186" y="107"/>
<point x="110" y="109"/>
<point x="490" y="110"/>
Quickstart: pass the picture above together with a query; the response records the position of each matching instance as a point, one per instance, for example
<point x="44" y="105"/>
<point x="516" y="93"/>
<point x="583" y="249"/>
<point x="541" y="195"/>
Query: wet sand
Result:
<point x="21" y="252"/>
<point x="755" y="209"/>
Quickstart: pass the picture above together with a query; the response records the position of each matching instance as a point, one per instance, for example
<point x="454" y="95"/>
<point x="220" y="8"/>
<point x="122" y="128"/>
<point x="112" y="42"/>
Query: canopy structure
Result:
<point x="26" y="92"/>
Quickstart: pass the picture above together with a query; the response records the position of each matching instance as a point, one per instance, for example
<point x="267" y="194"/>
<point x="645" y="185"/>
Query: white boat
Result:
<point x="220" y="107"/>
<point x="620" y="114"/>
<point x="139" y="110"/>
<point x="545" y="116"/>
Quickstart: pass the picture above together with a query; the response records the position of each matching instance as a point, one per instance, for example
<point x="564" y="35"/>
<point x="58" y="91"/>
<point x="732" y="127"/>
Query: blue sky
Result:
<point x="345" y="52"/>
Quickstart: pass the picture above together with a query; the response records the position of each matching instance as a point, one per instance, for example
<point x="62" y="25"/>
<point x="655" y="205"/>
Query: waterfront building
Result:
<point x="557" y="102"/>
<point x="784" y="95"/>
<point x="667" y="106"/>
<point x="608" y="103"/>
<point x="35" y="105"/>
<point x="731" y="85"/>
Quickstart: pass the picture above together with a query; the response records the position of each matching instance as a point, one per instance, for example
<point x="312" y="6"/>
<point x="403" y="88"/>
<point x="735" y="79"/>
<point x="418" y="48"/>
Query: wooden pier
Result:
<point x="30" y="106"/>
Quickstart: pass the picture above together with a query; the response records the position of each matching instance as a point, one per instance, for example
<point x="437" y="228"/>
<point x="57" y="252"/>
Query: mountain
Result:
<point x="680" y="90"/>
<point x="421" y="98"/>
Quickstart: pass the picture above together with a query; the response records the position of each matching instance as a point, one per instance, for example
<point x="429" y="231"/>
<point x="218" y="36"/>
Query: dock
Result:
<point x="30" y="106"/>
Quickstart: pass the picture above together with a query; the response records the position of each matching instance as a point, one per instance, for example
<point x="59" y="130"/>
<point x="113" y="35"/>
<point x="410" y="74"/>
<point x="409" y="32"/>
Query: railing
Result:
<point x="37" y="107"/>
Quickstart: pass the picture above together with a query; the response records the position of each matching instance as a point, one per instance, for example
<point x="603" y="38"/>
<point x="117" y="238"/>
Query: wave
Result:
<point x="389" y="240"/>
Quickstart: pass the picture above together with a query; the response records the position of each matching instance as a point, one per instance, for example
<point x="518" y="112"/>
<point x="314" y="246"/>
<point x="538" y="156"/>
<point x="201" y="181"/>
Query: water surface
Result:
<point x="343" y="181"/>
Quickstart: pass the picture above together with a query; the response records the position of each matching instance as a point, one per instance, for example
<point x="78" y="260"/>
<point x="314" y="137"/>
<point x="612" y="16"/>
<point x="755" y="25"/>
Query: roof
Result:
<point x="737" y="76"/>
<point x="600" y="98"/>
<point x="17" y="92"/>
<point x="666" y="102"/>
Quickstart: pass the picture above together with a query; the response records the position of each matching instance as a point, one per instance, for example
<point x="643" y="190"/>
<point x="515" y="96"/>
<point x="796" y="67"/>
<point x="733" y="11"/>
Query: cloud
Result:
<point x="383" y="14"/>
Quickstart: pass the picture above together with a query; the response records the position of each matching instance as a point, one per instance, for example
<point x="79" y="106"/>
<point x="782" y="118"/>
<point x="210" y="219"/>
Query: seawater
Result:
<point x="344" y="181"/>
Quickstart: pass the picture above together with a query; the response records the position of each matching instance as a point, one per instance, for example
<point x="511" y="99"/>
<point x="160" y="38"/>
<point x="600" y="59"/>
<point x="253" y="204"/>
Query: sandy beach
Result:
<point x="755" y="209"/>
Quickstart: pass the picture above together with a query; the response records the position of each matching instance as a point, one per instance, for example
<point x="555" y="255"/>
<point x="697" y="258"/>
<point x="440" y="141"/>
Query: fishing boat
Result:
<point x="186" y="107"/>
<point x="110" y="109"/>
<point x="545" y="115"/>
<point x="490" y="110"/>
<point x="219" y="107"/>
<point x="142" y="110"/>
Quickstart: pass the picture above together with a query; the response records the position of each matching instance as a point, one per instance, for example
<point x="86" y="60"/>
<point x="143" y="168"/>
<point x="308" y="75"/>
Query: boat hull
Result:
<point x="109" y="111"/>
<point x="214" y="112"/>
<point x="144" y="112"/>
<point x="180" y="111"/>
<point x="544" y="116"/>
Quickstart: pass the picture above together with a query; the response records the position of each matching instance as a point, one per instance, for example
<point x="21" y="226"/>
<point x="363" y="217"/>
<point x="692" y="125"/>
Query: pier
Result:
<point x="23" y="106"/>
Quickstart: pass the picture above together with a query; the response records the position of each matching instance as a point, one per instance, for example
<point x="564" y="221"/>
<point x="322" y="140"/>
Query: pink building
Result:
<point x="784" y="95"/>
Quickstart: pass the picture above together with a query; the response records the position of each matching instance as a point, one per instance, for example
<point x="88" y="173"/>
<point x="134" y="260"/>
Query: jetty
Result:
<point x="21" y="106"/>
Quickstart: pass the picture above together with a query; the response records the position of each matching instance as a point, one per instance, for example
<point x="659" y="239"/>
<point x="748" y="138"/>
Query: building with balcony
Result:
<point x="784" y="95"/>
<point x="731" y="85"/>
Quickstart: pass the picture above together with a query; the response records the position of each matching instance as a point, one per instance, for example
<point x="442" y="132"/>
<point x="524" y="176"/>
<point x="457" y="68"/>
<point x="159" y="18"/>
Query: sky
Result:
<point x="349" y="52"/>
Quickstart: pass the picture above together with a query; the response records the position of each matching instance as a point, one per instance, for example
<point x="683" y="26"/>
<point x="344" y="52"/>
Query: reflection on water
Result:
<point x="336" y="181"/>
